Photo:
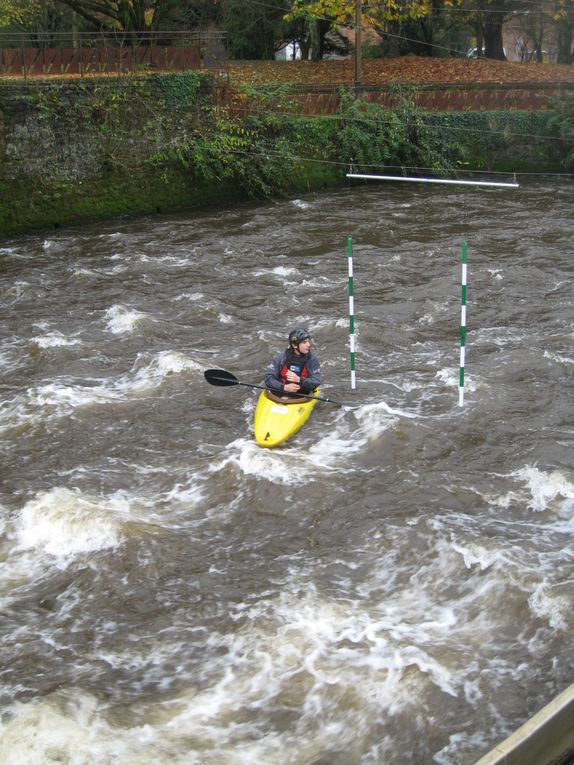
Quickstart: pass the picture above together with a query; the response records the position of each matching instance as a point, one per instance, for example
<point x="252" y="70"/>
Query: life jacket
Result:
<point x="294" y="363"/>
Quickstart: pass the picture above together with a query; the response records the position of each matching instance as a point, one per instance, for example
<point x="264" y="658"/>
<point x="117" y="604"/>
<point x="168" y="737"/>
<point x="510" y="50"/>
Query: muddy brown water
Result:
<point x="393" y="586"/>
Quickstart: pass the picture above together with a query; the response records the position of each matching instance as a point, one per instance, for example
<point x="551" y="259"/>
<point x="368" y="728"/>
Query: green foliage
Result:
<point x="159" y="138"/>
<point x="253" y="27"/>
<point x="272" y="94"/>
<point x="128" y="15"/>
<point x="180" y="89"/>
<point x="487" y="139"/>
<point x="399" y="136"/>
<point x="561" y="123"/>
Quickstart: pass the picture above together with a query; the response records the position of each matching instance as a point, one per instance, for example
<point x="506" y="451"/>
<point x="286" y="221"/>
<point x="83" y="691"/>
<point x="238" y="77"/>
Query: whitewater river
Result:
<point x="395" y="586"/>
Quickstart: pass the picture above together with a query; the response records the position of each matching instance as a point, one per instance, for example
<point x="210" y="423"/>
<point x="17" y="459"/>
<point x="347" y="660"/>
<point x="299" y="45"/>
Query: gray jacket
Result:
<point x="307" y="367"/>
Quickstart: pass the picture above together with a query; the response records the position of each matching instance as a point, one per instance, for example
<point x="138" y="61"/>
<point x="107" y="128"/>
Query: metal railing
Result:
<point x="82" y="53"/>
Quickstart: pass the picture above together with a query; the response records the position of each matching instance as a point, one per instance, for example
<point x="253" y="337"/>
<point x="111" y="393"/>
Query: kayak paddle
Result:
<point x="222" y="378"/>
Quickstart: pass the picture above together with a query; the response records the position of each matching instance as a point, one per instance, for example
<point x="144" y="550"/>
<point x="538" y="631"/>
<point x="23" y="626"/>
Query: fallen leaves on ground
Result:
<point x="407" y="69"/>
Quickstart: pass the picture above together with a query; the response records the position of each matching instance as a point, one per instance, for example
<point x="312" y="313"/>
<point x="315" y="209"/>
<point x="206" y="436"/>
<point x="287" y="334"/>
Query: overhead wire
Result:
<point x="374" y="121"/>
<point x="339" y="117"/>
<point x="414" y="168"/>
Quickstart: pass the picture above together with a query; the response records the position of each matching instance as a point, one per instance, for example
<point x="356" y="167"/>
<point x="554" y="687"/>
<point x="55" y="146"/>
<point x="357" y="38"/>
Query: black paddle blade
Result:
<point x="220" y="377"/>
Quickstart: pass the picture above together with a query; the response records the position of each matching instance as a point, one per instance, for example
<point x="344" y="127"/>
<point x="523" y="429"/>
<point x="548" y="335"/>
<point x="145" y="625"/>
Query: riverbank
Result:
<point x="77" y="150"/>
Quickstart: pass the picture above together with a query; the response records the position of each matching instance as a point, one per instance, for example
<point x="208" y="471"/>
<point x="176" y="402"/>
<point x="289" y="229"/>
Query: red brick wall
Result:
<point x="460" y="97"/>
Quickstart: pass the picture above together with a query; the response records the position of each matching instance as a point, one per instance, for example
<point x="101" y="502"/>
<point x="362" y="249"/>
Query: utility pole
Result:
<point x="358" y="40"/>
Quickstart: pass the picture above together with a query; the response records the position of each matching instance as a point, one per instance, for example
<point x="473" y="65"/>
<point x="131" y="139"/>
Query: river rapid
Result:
<point x="394" y="586"/>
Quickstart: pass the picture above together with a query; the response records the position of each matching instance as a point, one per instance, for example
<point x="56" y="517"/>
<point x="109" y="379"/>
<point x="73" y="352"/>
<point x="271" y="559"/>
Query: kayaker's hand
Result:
<point x="292" y="377"/>
<point x="291" y="388"/>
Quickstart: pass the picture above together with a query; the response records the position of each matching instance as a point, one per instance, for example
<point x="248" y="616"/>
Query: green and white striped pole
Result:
<point x="462" y="326"/>
<point x="351" y="311"/>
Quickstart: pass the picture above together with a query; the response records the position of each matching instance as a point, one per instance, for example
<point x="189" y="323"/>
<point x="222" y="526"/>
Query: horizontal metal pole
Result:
<point x="433" y="180"/>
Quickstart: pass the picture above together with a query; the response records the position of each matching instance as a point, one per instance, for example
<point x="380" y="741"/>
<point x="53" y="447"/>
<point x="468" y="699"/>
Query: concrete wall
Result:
<point x="545" y="739"/>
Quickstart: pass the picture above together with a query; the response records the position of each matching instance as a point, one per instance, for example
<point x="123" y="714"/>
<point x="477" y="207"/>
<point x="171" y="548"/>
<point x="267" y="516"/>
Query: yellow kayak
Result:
<point x="278" y="418"/>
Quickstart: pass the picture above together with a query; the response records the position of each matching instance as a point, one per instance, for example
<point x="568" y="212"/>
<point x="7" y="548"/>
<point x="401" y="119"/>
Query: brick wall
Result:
<point x="448" y="97"/>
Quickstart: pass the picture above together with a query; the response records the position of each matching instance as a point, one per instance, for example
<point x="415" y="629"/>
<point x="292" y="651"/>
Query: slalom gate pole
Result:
<point x="462" y="326"/>
<point x="351" y="311"/>
<point x="491" y="184"/>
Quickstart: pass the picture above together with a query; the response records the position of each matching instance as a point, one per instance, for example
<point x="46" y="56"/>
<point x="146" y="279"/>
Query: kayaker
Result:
<point x="296" y="369"/>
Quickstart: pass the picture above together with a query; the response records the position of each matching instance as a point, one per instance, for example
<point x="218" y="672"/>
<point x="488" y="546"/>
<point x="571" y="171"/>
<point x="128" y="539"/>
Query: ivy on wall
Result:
<point x="181" y="89"/>
<point x="104" y="147"/>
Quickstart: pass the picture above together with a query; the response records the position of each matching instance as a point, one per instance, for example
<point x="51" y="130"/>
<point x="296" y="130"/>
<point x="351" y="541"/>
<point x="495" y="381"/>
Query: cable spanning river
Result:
<point x="394" y="586"/>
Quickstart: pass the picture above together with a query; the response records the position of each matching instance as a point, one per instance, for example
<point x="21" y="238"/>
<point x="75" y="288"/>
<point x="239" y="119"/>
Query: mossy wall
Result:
<point x="79" y="150"/>
<point x="85" y="149"/>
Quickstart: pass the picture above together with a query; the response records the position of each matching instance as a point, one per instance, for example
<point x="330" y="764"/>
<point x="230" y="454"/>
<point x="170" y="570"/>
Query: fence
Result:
<point x="325" y="99"/>
<point x="26" y="55"/>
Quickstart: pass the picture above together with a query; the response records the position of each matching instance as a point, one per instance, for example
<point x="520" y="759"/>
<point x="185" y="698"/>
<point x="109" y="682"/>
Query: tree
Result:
<point x="384" y="16"/>
<point x="40" y="18"/>
<point x="388" y="18"/>
<point x="17" y="11"/>
<point x="195" y="14"/>
<point x="563" y="15"/>
<point x="124" y="15"/>
<point x="562" y="121"/>
<point x="253" y="27"/>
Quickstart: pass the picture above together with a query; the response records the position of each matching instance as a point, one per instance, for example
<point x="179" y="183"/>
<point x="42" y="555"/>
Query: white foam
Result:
<point x="503" y="501"/>
<point x="545" y="488"/>
<point x="332" y="450"/>
<point x="557" y="357"/>
<point x="451" y="378"/>
<point x="475" y="554"/>
<point x="458" y="745"/>
<point x="64" y="522"/>
<point x="251" y="459"/>
<point x="339" y="666"/>
<point x="303" y="459"/>
<point x="165" y="260"/>
<point x="375" y="419"/>
<point x="122" y="319"/>
<point x="501" y="336"/>
<point x="52" y="730"/>
<point x="193" y="296"/>
<point x="190" y="494"/>
<point x="80" y="273"/>
<point x="64" y="398"/>
<point x="174" y="362"/>
<point x="282" y="271"/>
<point x="146" y="376"/>
<point x="291" y="464"/>
<point x="554" y="608"/>
<point x="317" y="653"/>
<point x="55" y="340"/>
<point x="434" y="310"/>
<point x="300" y="204"/>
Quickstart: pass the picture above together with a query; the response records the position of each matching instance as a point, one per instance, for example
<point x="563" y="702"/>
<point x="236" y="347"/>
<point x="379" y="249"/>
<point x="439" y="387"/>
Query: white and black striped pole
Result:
<point x="462" y="326"/>
<point x="351" y="311"/>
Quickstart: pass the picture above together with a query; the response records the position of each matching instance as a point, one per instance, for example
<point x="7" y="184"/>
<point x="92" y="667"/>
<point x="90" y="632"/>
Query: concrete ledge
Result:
<point x="546" y="739"/>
